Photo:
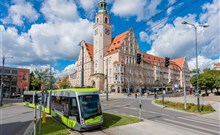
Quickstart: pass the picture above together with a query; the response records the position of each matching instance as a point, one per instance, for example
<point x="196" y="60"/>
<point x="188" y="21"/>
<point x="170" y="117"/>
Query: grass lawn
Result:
<point x="114" y="120"/>
<point x="190" y="107"/>
<point x="52" y="127"/>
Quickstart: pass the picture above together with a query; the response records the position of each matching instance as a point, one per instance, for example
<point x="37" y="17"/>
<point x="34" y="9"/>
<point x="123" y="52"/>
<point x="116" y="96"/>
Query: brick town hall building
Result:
<point x="116" y="57"/>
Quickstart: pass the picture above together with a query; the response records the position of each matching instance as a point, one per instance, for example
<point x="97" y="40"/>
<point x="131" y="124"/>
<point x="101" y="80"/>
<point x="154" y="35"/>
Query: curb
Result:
<point x="30" y="129"/>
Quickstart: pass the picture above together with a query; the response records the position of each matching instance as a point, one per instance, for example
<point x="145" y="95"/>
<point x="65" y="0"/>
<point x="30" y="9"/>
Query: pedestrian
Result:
<point x="135" y="95"/>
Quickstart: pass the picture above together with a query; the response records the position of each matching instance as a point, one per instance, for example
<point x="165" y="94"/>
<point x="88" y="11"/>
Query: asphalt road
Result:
<point x="186" y="121"/>
<point x="14" y="120"/>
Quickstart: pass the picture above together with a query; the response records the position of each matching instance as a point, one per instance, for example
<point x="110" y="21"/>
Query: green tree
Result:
<point x="41" y="79"/>
<point x="208" y="80"/>
<point x="64" y="83"/>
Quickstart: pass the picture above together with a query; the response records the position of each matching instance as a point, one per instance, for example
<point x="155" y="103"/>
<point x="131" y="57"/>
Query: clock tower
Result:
<point x="102" y="36"/>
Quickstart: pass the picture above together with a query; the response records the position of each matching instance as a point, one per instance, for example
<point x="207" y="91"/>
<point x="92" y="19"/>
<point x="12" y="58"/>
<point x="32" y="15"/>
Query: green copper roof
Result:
<point x="102" y="6"/>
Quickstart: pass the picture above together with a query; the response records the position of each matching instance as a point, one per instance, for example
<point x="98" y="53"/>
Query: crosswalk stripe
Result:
<point x="199" y="121"/>
<point x="189" y="125"/>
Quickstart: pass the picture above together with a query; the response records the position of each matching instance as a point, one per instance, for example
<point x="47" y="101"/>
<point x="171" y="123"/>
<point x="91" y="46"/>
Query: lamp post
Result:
<point x="197" y="74"/>
<point x="106" y="78"/>
<point x="3" y="63"/>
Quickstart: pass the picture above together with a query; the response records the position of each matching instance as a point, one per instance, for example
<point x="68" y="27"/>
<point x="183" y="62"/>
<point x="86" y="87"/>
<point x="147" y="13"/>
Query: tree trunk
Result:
<point x="206" y="91"/>
<point x="211" y="90"/>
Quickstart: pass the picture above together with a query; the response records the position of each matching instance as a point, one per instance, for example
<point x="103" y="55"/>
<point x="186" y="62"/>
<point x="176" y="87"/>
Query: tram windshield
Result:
<point x="90" y="106"/>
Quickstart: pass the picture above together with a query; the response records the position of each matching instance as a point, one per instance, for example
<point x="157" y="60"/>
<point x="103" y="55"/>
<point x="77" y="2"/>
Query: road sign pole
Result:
<point x="140" y="103"/>
<point x="184" y="85"/>
<point x="40" y="113"/>
<point x="35" y="113"/>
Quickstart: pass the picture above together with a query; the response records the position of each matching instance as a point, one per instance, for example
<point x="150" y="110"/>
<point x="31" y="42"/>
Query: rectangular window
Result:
<point x="14" y="72"/>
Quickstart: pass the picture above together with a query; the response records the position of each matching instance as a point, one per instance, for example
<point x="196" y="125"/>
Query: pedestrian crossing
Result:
<point x="197" y="124"/>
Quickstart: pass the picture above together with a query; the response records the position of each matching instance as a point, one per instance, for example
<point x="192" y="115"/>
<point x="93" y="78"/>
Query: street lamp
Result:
<point x="1" y="92"/>
<point x="197" y="79"/>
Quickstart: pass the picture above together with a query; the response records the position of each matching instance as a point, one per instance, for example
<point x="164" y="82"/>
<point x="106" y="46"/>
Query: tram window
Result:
<point x="57" y="103"/>
<point x="28" y="98"/>
<point x="74" y="109"/>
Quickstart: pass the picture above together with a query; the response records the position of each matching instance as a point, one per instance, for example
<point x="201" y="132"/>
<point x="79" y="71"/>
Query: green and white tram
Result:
<point x="77" y="108"/>
<point x="28" y="100"/>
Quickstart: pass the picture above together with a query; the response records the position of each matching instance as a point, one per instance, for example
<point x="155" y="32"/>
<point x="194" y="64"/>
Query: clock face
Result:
<point x="107" y="31"/>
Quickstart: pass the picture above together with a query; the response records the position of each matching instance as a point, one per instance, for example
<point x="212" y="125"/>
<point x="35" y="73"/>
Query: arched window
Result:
<point x="97" y="20"/>
<point x="106" y="20"/>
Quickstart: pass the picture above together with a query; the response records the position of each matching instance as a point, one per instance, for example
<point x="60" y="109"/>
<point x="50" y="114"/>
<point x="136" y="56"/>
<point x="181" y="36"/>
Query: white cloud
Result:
<point x="144" y="37"/>
<point x="69" y="69"/>
<point x="45" y="43"/>
<point x="142" y="9"/>
<point x="169" y="10"/>
<point x="60" y="41"/>
<point x="19" y="12"/>
<point x="56" y="73"/>
<point x="60" y="11"/>
<point x="203" y="62"/>
<point x="88" y="4"/>
<point x="177" y="40"/>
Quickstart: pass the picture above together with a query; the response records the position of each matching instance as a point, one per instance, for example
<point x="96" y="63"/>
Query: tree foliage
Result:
<point x="64" y="83"/>
<point x="208" y="80"/>
<point x="41" y="79"/>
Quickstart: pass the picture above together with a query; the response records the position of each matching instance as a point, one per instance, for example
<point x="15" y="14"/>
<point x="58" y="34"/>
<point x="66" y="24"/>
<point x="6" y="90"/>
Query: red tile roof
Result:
<point x="153" y="60"/>
<point x="217" y="64"/>
<point x="116" y="42"/>
<point x="179" y="61"/>
<point x="89" y="48"/>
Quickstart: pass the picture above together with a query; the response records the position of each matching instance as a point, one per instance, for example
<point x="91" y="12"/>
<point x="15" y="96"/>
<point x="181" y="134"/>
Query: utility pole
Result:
<point x="50" y="78"/>
<point x="163" y="92"/>
<point x="35" y="112"/>
<point x="106" y="80"/>
<point x="1" y="98"/>
<point x="184" y="88"/>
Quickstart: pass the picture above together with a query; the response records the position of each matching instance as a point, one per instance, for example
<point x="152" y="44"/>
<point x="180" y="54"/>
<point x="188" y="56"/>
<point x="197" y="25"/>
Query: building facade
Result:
<point x="216" y="66"/>
<point x="15" y="81"/>
<point x="112" y="61"/>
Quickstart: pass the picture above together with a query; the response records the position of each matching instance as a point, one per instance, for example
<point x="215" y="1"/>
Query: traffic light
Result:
<point x="138" y="58"/>
<point x="37" y="98"/>
<point x="167" y="61"/>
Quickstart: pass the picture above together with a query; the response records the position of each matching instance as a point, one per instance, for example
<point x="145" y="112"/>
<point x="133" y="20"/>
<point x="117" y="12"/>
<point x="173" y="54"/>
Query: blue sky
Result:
<point x="38" y="33"/>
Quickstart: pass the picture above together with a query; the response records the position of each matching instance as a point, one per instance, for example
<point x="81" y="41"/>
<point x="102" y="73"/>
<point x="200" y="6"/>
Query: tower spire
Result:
<point x="102" y="6"/>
